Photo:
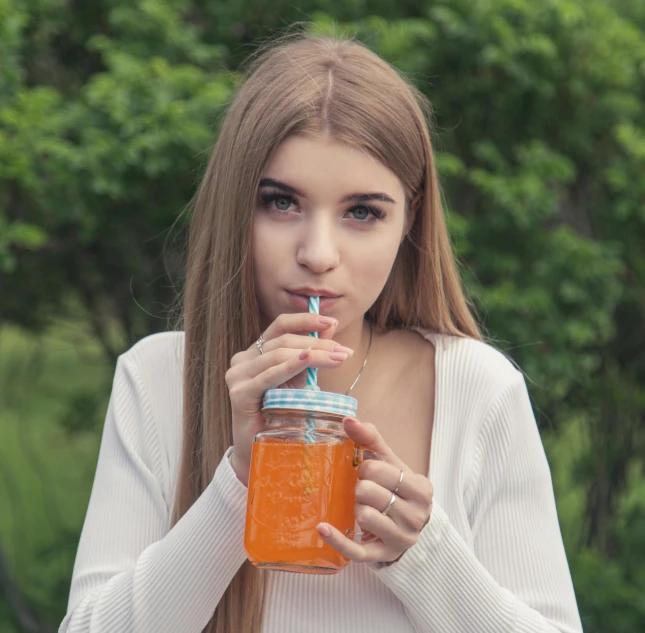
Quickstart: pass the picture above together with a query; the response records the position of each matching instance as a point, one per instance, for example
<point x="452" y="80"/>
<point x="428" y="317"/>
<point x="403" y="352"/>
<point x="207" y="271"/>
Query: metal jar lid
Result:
<point x="310" y="400"/>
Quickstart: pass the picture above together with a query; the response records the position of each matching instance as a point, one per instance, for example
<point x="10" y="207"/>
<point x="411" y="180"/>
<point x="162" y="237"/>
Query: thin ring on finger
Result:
<point x="398" y="485"/>
<point x="388" y="507"/>
<point x="259" y="344"/>
<point x="412" y="487"/>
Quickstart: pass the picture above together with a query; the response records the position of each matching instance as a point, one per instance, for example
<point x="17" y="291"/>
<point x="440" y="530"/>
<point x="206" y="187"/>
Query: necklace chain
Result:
<point x="360" y="371"/>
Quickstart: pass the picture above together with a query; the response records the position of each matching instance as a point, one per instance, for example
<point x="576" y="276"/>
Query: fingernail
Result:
<point x="341" y="348"/>
<point x="324" y="530"/>
<point x="327" y="320"/>
<point x="304" y="354"/>
<point x="338" y="356"/>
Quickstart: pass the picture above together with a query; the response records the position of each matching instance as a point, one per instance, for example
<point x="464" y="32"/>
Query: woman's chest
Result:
<point x="406" y="427"/>
<point x="403" y="412"/>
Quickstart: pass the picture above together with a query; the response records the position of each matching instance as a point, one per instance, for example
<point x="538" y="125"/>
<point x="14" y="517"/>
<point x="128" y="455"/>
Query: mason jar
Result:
<point x="303" y="472"/>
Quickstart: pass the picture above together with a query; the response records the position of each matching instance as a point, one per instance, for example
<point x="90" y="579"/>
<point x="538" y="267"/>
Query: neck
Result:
<point x="339" y="380"/>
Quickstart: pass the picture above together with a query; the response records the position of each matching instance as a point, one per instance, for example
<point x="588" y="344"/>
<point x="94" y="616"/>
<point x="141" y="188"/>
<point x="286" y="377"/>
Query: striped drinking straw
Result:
<point x="312" y="375"/>
<point x="312" y="372"/>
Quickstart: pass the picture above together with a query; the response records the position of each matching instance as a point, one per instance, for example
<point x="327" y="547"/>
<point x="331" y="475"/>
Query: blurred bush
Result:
<point x="107" y="113"/>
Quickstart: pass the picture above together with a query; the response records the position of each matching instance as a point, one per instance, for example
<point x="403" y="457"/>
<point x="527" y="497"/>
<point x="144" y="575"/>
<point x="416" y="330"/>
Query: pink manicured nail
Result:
<point x="304" y="354"/>
<point x="324" y="530"/>
<point x="338" y="356"/>
<point x="341" y="348"/>
<point x="327" y="320"/>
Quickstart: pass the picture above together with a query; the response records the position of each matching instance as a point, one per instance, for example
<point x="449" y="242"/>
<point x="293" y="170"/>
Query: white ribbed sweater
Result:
<point x="491" y="560"/>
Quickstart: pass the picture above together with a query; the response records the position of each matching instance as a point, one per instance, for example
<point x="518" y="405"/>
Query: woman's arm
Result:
<point x="131" y="574"/>
<point x="516" y="579"/>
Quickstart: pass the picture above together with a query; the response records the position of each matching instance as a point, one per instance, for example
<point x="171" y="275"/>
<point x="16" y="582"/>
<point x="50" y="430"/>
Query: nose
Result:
<point x="318" y="248"/>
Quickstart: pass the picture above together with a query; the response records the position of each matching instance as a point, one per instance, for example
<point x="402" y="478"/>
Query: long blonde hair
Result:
<point x="304" y="85"/>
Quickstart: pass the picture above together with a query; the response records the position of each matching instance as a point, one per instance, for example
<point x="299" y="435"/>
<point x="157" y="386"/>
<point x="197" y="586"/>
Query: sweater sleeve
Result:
<point x="131" y="573"/>
<point x="516" y="577"/>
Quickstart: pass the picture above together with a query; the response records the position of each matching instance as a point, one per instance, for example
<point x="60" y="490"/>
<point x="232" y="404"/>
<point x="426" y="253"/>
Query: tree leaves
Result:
<point x="108" y="113"/>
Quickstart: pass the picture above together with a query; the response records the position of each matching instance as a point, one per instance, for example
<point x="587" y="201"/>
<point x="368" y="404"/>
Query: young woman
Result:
<point x="323" y="182"/>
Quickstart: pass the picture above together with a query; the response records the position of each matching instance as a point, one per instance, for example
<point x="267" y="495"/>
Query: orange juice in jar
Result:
<point x="303" y="472"/>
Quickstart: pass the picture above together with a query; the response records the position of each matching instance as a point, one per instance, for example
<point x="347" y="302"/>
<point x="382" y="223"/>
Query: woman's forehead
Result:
<point x="312" y="164"/>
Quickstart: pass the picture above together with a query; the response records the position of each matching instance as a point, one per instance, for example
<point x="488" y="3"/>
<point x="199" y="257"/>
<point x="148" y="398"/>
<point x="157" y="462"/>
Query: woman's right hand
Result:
<point x="288" y="352"/>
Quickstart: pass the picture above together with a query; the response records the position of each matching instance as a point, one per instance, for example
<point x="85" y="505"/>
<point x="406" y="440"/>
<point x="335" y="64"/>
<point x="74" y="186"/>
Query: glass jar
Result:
<point x="303" y="472"/>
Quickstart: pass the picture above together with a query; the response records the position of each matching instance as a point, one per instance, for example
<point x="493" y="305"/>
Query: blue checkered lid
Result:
<point x="310" y="400"/>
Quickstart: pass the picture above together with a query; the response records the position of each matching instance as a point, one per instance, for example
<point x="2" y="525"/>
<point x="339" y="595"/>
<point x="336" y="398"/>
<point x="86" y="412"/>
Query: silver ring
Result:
<point x="399" y="484"/>
<point x="389" y="506"/>
<point x="259" y="343"/>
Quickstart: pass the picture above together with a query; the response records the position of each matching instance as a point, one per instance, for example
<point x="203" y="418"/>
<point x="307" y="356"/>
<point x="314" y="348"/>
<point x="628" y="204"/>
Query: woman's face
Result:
<point x="329" y="220"/>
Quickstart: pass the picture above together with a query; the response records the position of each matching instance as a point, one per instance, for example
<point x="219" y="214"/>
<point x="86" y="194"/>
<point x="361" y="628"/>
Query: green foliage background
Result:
<point x="107" y="113"/>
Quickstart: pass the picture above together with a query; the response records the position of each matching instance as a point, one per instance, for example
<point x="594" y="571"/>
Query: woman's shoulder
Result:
<point x="471" y="369"/>
<point x="470" y="353"/>
<point x="161" y="351"/>
<point x="154" y="372"/>
<point x="156" y="364"/>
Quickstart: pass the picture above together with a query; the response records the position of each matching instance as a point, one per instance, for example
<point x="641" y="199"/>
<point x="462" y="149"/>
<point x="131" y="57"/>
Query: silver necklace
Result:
<point x="367" y="355"/>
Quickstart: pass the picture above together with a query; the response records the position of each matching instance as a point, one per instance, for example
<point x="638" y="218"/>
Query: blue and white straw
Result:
<point x="312" y="376"/>
<point x="312" y="372"/>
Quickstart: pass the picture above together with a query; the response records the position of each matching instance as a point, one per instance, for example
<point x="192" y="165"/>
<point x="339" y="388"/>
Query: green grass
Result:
<point x="46" y="471"/>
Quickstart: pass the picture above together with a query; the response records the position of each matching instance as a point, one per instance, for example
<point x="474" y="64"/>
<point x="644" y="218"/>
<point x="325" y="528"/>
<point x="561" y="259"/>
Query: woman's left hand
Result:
<point x="397" y="531"/>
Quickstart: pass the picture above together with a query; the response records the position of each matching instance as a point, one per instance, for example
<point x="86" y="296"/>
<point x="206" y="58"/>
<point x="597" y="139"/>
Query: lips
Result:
<point x="312" y="292"/>
<point x="300" y="302"/>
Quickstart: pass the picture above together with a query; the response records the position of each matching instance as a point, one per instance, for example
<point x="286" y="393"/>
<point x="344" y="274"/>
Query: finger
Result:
<point x="329" y="332"/>
<point x="260" y="364"/>
<point x="278" y="374"/>
<point x="413" y="487"/>
<point x="368" y="493"/>
<point x="397" y="536"/>
<point x="298" y="323"/>
<point x="299" y="381"/>
<point x="375" y="551"/>
<point x="411" y="516"/>
<point x="367" y="436"/>
<point x="297" y="341"/>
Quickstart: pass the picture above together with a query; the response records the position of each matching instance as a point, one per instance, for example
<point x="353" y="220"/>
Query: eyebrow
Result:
<point x="352" y="197"/>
